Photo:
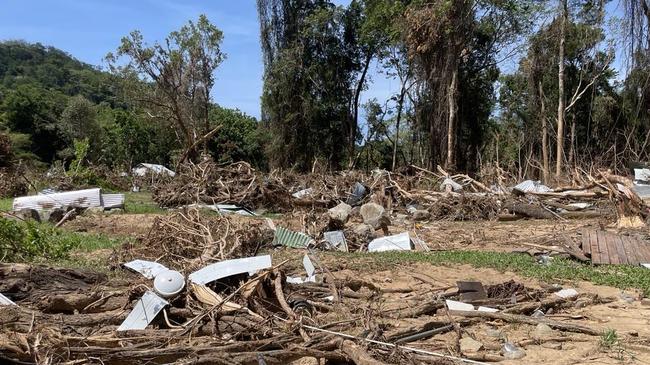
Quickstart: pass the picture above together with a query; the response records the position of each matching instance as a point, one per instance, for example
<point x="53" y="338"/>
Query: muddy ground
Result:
<point x="403" y="288"/>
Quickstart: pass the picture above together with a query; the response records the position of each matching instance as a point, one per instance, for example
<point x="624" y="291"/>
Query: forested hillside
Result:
<point x="48" y="99"/>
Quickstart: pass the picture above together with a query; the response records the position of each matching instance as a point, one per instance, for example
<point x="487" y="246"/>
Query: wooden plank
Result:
<point x="620" y="247"/>
<point x="586" y="243"/>
<point x="610" y="238"/>
<point x="602" y="248"/>
<point x="631" y="250"/>
<point x="595" y="251"/>
<point x="643" y="249"/>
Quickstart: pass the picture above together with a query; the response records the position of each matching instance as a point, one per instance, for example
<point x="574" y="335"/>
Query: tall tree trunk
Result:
<point x="400" y="106"/>
<point x="560" y="104"/>
<point x="545" y="162"/>
<point x="352" y="128"/>
<point x="451" y="126"/>
<point x="572" y="141"/>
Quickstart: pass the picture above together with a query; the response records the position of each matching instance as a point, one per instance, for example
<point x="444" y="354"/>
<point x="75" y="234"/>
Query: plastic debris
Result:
<point x="530" y="186"/>
<point x="567" y="293"/>
<point x="358" y="192"/>
<point x="336" y="239"/>
<point x="512" y="352"/>
<point x="398" y="242"/>
<point x="450" y="184"/>
<point x="227" y="268"/>
<point x="302" y="193"/>
<point x="144" y="311"/>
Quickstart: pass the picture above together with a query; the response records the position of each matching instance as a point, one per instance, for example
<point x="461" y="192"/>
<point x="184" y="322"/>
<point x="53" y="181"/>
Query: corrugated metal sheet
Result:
<point x="80" y="198"/>
<point x="148" y="269"/>
<point x="398" y="242"/>
<point x="285" y="237"/>
<point x="227" y="268"/>
<point x="110" y="201"/>
<point x="144" y="311"/>
<point x="530" y="186"/>
<point x="5" y="301"/>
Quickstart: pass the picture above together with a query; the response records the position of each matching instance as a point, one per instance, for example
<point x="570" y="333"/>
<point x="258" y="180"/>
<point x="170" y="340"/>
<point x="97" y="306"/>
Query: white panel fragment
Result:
<point x="399" y="242"/>
<point x="567" y="293"/>
<point x="88" y="198"/>
<point x="144" y="311"/>
<point x="309" y="266"/>
<point x="110" y="201"/>
<point x="227" y="268"/>
<point x="5" y="301"/>
<point x="487" y="309"/>
<point x="148" y="269"/>
<point x="302" y="193"/>
<point x="453" y="305"/>
<point x="145" y="168"/>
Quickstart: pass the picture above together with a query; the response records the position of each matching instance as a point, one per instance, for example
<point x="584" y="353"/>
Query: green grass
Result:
<point x="609" y="338"/>
<point x="141" y="203"/>
<point x="6" y="204"/>
<point x="619" y="276"/>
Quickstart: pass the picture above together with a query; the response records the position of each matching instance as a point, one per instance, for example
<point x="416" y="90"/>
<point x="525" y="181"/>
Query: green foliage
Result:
<point x="609" y="338"/>
<point x="27" y="241"/>
<point x="173" y="79"/>
<point x="141" y="203"/>
<point x="240" y="137"/>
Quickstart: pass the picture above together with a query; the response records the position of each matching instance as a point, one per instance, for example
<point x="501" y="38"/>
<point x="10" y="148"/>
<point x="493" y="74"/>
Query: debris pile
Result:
<point x="242" y="318"/>
<point x="189" y="238"/>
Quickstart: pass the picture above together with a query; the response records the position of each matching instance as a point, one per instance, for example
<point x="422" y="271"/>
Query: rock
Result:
<point x="364" y="230"/>
<point x="421" y="215"/>
<point x="372" y="213"/>
<point x="469" y="345"/>
<point x="543" y="331"/>
<point x="494" y="332"/>
<point x="645" y="302"/>
<point x="340" y="213"/>
<point x="27" y="214"/>
<point x="56" y="215"/>
<point x="115" y="211"/>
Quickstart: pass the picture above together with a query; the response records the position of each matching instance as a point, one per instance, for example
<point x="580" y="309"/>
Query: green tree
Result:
<point x="181" y="75"/>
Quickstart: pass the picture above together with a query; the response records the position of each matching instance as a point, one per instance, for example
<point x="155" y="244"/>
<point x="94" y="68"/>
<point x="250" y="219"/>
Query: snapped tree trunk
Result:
<point x="451" y="126"/>
<point x="545" y="162"/>
<point x="572" y="140"/>
<point x="560" y="105"/>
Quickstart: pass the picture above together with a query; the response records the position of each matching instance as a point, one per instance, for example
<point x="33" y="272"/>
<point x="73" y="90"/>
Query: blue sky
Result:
<point x="88" y="29"/>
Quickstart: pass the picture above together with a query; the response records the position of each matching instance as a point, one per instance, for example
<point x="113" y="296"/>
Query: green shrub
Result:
<point x="26" y="241"/>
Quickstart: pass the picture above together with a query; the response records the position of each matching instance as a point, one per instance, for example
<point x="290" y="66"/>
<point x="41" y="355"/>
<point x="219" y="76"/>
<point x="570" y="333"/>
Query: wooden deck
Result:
<point x="609" y="248"/>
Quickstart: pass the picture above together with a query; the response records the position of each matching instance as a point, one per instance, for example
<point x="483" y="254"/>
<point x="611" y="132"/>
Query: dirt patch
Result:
<point x="113" y="224"/>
